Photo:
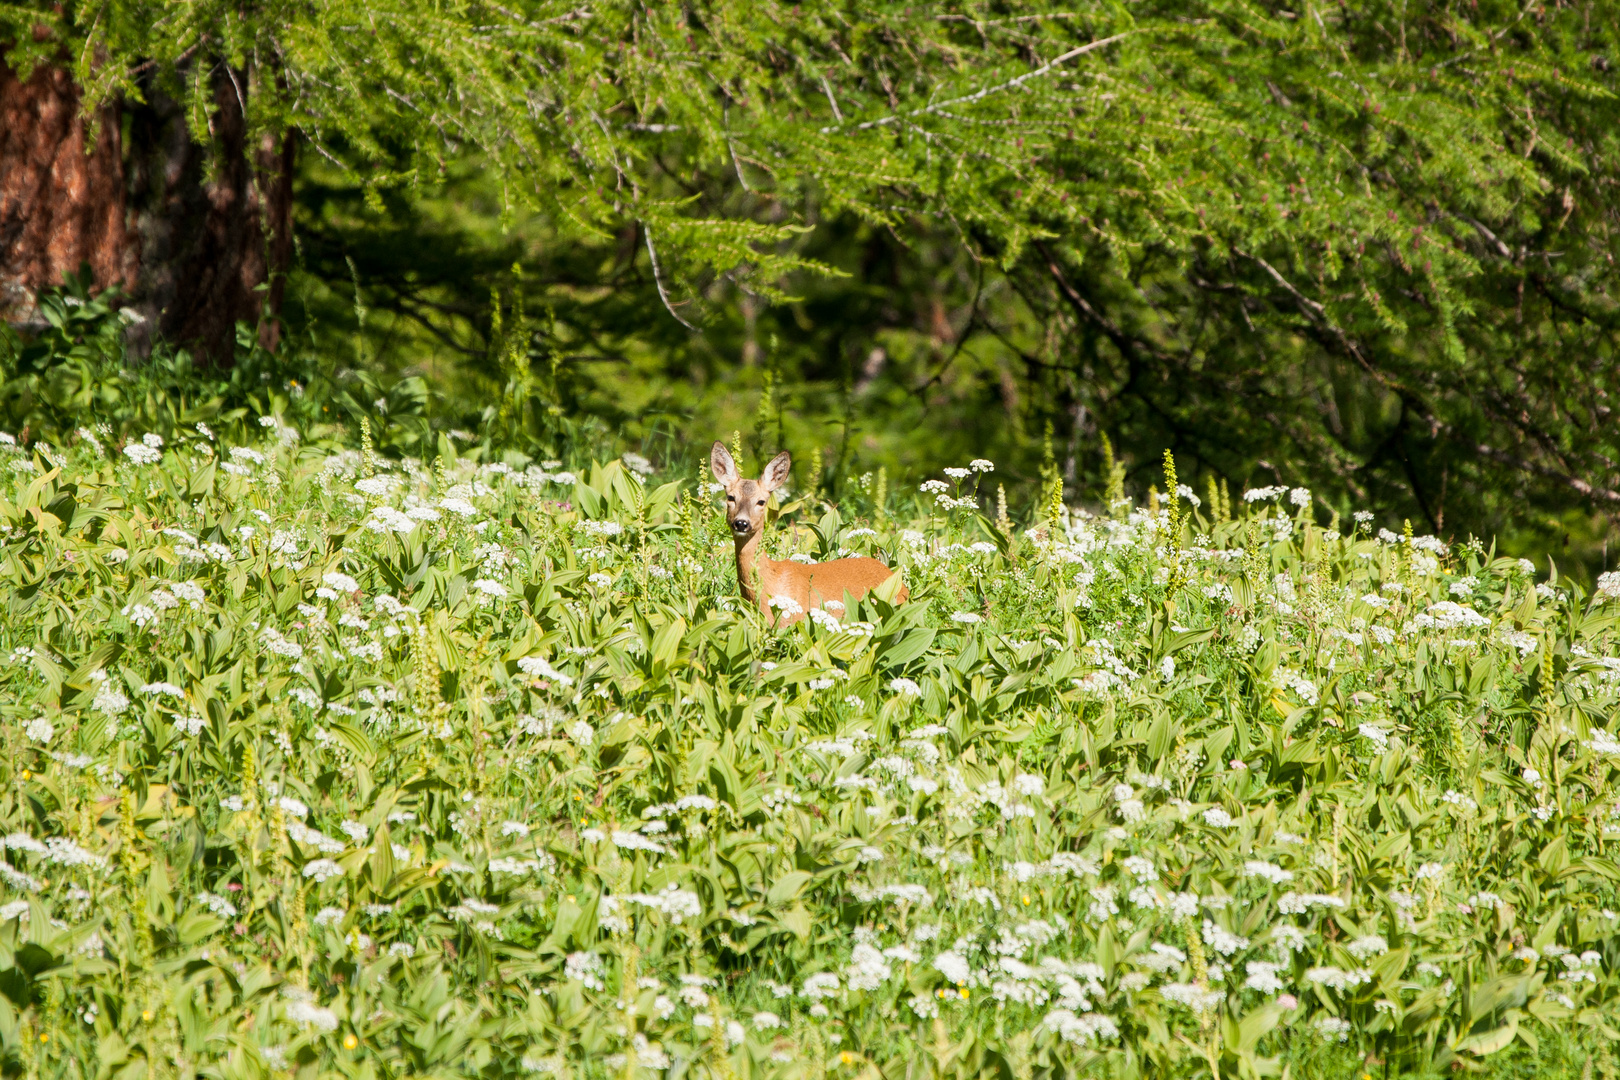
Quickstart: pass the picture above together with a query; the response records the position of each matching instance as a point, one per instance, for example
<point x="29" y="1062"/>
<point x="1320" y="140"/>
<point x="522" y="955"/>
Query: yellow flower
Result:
<point x="26" y="774"/>
<point x="1026" y="901"/>
<point x="146" y="1014"/>
<point x="847" y="1058"/>
<point x="44" y="1037"/>
<point x="962" y="993"/>
<point x="350" y="1042"/>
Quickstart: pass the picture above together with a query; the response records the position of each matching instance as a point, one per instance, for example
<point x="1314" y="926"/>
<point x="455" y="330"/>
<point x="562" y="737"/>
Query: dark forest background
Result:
<point x="1367" y="249"/>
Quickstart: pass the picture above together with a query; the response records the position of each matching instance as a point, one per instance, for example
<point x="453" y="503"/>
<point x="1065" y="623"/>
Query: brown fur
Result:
<point x="808" y="584"/>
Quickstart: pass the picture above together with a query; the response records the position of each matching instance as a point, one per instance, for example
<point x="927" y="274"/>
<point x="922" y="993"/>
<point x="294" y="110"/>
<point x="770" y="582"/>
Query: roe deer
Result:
<point x="761" y="580"/>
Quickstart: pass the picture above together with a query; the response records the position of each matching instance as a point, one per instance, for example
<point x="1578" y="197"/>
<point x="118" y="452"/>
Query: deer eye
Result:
<point x="731" y="498"/>
<point x="761" y="502"/>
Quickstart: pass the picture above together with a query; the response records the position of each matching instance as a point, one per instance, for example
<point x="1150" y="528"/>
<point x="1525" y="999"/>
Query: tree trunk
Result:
<point x="199" y="238"/>
<point x="60" y="208"/>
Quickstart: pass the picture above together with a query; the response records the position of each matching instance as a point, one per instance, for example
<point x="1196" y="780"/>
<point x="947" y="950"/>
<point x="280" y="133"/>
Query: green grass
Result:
<point x="324" y="765"/>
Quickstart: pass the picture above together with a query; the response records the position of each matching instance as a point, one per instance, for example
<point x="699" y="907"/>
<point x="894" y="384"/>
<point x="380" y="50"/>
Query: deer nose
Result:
<point x="740" y="525"/>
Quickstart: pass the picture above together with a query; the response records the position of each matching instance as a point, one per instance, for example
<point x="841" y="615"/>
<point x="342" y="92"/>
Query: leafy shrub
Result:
<point x="76" y="376"/>
<point x="322" y="764"/>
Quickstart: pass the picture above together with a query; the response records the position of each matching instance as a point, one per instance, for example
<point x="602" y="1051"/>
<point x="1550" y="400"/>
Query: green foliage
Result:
<point x="321" y="763"/>
<point x="1354" y="248"/>
<point x="75" y="378"/>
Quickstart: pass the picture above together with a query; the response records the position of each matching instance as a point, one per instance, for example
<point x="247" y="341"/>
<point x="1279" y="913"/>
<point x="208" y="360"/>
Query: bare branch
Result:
<point x="731" y="147"/>
<point x="1128" y="345"/>
<point x="1317" y="313"/>
<point x="827" y="86"/>
<point x="987" y="91"/>
<point x="658" y="278"/>
<point x="1575" y="483"/>
<point x="1501" y="248"/>
<point x="1015" y="19"/>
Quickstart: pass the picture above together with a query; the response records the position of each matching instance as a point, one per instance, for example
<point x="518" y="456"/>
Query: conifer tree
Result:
<point x="1398" y="213"/>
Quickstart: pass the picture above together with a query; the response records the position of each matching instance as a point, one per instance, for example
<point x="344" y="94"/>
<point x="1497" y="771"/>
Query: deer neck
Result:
<point x="750" y="563"/>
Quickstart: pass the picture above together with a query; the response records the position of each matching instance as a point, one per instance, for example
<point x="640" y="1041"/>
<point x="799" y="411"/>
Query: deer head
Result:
<point x="746" y="499"/>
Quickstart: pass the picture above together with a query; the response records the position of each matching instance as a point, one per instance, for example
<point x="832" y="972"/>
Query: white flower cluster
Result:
<point x="149" y="451"/>
<point x="1293" y="903"/>
<point x="1283" y="678"/>
<point x="1447" y="615"/>
<point x="55" y="851"/>
<point x="1112" y="671"/>
<point x="911" y="895"/>
<point x="301" y="1009"/>
<point x="586" y="967"/>
<point x="538" y="667"/>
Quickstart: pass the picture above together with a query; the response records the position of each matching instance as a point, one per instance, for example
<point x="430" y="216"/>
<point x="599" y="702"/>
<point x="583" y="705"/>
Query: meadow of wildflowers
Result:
<point x="320" y="764"/>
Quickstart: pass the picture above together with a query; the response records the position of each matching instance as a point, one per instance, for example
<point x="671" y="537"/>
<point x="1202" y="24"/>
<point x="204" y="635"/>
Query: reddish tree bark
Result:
<point x="198" y="237"/>
<point x="60" y="207"/>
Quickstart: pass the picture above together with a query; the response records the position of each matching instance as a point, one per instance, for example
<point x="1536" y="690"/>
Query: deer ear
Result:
<point x="722" y="465"/>
<point x="776" y="473"/>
